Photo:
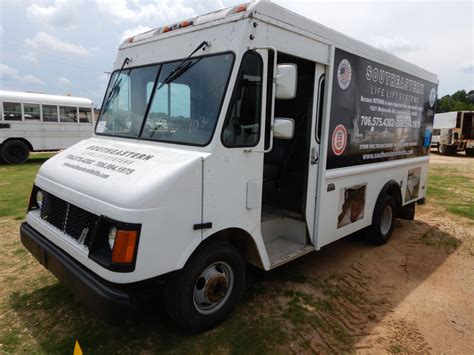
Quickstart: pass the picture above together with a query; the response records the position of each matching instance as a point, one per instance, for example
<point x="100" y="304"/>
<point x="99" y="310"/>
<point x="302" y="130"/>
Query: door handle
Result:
<point x="314" y="155"/>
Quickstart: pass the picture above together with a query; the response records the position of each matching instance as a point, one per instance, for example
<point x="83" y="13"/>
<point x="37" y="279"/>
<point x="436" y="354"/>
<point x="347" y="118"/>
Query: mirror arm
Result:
<point x="272" y="113"/>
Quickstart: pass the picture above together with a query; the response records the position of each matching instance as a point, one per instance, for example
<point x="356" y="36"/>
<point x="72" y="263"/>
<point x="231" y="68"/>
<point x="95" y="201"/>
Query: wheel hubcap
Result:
<point x="386" y="221"/>
<point x="213" y="287"/>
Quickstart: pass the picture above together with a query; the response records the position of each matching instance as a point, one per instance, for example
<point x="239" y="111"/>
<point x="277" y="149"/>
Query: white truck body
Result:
<point x="182" y="195"/>
<point x="44" y="122"/>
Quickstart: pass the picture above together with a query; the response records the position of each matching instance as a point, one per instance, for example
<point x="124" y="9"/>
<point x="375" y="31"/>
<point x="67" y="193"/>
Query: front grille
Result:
<point x="68" y="218"/>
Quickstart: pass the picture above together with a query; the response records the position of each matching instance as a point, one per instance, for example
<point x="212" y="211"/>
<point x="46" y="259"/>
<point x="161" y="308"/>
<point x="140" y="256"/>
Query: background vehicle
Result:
<point x="250" y="134"/>
<point x="37" y="122"/>
<point x="454" y="132"/>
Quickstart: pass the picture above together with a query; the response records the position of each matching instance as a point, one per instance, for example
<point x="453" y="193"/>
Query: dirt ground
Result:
<point x="413" y="295"/>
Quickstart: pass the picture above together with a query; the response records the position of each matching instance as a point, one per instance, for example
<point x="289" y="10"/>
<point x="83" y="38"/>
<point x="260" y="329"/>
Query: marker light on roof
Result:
<point x="166" y="29"/>
<point x="185" y="24"/>
<point x="130" y="39"/>
<point x="240" y="8"/>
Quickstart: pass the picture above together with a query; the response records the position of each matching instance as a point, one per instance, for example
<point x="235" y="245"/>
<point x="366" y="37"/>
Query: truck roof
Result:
<point x="281" y="17"/>
<point x="33" y="97"/>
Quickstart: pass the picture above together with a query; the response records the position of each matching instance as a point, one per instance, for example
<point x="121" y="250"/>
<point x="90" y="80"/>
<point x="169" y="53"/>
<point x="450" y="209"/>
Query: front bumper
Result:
<point x="107" y="300"/>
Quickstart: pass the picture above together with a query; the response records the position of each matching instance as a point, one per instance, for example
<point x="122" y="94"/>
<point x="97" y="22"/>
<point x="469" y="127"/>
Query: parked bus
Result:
<point x="454" y="132"/>
<point x="38" y="122"/>
<point x="248" y="135"/>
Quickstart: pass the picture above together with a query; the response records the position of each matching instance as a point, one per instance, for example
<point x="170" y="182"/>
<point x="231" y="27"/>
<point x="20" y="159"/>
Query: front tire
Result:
<point x="204" y="293"/>
<point x="443" y="149"/>
<point x="383" y="221"/>
<point x="15" y="152"/>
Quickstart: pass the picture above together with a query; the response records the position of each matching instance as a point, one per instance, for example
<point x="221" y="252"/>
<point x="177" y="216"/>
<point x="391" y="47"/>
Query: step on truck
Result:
<point x="250" y="135"/>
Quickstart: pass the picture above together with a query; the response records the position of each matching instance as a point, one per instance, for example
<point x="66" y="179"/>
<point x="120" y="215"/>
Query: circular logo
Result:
<point x="344" y="74"/>
<point x="339" y="139"/>
<point x="432" y="97"/>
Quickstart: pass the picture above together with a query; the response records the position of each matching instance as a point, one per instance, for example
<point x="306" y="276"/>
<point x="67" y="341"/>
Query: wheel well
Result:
<point x="392" y="188"/>
<point x="30" y="147"/>
<point x="241" y="240"/>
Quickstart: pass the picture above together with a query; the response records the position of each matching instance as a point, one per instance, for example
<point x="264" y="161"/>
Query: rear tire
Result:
<point x="15" y="152"/>
<point x="470" y="152"/>
<point x="204" y="293"/>
<point x="383" y="220"/>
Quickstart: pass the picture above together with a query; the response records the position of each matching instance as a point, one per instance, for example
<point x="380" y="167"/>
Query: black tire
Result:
<point x="383" y="220"/>
<point x="470" y="152"/>
<point x="443" y="149"/>
<point x="182" y="292"/>
<point x="15" y="152"/>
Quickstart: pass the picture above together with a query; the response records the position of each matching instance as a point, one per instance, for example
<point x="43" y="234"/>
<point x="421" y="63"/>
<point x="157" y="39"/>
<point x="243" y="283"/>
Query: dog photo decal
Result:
<point x="351" y="204"/>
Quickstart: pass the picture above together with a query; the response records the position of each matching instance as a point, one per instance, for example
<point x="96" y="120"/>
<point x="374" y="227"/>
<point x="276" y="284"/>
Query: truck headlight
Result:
<point x="39" y="198"/>
<point x="112" y="235"/>
<point x="114" y="244"/>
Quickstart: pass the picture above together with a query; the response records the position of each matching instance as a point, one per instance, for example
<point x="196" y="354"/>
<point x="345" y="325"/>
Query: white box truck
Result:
<point x="248" y="135"/>
<point x="453" y="132"/>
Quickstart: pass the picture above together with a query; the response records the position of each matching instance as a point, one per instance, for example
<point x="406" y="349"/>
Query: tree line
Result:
<point x="459" y="101"/>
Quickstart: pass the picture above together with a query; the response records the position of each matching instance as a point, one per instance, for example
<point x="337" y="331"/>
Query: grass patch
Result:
<point x="452" y="189"/>
<point x="439" y="239"/>
<point x="16" y="182"/>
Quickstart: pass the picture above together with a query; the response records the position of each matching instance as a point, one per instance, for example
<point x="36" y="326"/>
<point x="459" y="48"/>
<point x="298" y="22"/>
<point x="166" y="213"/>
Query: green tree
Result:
<point x="459" y="101"/>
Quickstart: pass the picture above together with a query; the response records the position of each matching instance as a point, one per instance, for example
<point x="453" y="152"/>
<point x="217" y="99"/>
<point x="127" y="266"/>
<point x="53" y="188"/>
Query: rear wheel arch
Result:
<point x="393" y="189"/>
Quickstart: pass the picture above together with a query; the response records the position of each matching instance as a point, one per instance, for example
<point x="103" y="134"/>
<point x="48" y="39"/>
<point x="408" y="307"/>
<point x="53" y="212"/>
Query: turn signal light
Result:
<point x="124" y="247"/>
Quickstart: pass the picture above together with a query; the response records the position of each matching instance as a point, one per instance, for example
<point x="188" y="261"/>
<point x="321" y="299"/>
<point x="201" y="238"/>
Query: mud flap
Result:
<point x="407" y="212"/>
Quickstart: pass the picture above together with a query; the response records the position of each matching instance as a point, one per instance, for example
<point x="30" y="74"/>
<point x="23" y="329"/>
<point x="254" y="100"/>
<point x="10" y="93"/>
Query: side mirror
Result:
<point x="286" y="81"/>
<point x="283" y="128"/>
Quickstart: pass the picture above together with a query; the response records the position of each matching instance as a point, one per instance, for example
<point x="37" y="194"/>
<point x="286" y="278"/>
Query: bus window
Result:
<point x="50" y="113"/>
<point x="32" y="111"/>
<point x="12" y="111"/>
<point x="67" y="114"/>
<point x="85" y="115"/>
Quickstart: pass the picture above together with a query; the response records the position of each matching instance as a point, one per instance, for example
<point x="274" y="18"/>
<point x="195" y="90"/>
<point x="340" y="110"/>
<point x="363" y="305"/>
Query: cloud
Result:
<point x="133" y="31"/>
<point x="155" y="12"/>
<point x="394" y="44"/>
<point x="61" y="14"/>
<point x="46" y="42"/>
<point x="64" y="82"/>
<point x="8" y="73"/>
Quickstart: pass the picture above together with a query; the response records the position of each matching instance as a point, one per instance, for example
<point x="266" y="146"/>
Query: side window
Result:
<point x="85" y="115"/>
<point x="321" y="85"/>
<point x="50" y="113"/>
<point x="32" y="111"/>
<point x="242" y="124"/>
<point x="12" y="111"/>
<point x="436" y="132"/>
<point x="68" y="114"/>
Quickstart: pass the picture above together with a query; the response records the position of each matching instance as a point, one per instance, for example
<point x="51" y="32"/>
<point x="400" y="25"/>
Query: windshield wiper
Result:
<point x="116" y="86"/>
<point x="182" y="67"/>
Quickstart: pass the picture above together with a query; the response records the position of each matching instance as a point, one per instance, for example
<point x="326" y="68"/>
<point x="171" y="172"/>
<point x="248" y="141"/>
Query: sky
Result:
<point x="68" y="46"/>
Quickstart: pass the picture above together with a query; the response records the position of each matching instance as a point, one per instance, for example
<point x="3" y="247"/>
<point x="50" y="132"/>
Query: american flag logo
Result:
<point x="344" y="74"/>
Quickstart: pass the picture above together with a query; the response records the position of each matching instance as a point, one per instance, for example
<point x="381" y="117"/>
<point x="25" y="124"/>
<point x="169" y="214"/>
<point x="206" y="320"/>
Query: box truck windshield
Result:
<point x="184" y="111"/>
